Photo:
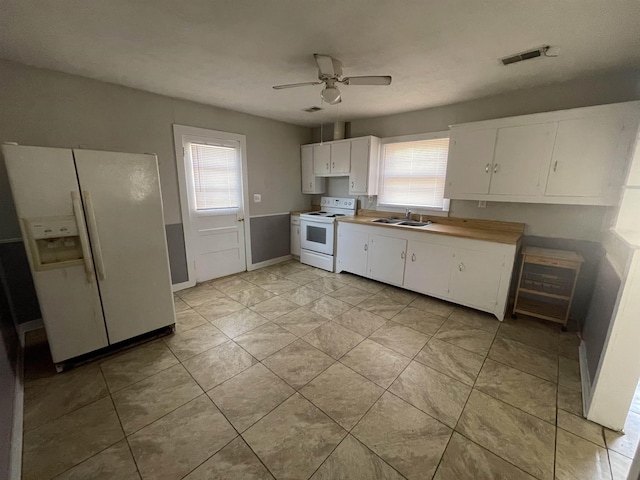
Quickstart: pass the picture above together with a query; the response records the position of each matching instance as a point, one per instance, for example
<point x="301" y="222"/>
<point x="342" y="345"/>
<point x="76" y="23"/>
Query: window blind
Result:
<point x="216" y="176"/>
<point x="414" y="173"/>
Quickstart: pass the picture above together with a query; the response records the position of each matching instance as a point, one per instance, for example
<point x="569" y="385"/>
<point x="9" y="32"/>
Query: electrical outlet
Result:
<point x="482" y="204"/>
<point x="257" y="198"/>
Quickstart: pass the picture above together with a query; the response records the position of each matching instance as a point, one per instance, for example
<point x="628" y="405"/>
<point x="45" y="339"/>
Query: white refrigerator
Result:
<point x="93" y="229"/>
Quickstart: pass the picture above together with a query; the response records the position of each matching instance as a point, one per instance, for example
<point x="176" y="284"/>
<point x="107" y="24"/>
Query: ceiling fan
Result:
<point x="330" y="73"/>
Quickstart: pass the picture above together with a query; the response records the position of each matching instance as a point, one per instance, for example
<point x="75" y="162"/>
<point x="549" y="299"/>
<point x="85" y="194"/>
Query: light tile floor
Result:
<point x="294" y="373"/>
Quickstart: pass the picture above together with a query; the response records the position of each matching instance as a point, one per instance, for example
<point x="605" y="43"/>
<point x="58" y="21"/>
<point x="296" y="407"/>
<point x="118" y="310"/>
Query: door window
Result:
<point x="216" y="176"/>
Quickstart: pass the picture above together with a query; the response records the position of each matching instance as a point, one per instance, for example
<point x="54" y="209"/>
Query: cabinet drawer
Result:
<point x="554" y="262"/>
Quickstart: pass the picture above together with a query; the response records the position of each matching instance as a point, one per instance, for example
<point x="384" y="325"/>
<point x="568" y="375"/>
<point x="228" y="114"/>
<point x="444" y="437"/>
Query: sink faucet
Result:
<point x="407" y="214"/>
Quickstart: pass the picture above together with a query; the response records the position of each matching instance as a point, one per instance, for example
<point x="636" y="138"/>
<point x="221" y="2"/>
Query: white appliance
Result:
<point x="317" y="231"/>
<point x="93" y="229"/>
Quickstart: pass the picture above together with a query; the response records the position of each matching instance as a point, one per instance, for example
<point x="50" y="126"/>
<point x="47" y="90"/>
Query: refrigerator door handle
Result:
<point x="82" y="233"/>
<point x="93" y="231"/>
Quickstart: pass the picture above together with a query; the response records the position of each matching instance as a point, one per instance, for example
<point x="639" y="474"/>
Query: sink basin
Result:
<point x="410" y="223"/>
<point x="391" y="221"/>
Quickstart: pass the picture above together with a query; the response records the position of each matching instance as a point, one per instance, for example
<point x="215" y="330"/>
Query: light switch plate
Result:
<point x="482" y="204"/>
<point x="257" y="198"/>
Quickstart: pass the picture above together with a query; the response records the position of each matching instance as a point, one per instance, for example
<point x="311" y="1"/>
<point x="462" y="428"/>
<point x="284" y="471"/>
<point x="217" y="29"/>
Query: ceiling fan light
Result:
<point x="331" y="95"/>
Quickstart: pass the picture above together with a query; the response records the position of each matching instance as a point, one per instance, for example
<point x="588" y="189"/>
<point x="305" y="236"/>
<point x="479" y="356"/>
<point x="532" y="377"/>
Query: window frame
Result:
<point x="421" y="209"/>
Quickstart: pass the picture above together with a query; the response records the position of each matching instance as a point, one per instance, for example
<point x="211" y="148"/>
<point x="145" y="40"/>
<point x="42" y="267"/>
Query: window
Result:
<point x="216" y="175"/>
<point x="413" y="171"/>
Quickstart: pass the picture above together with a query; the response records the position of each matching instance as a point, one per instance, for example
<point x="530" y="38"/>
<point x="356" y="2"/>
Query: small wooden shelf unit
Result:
<point x="547" y="283"/>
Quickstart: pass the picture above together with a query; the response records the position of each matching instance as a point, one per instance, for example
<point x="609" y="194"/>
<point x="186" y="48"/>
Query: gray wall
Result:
<point x="573" y="222"/>
<point x="272" y="237"/>
<point x="600" y="314"/>
<point x="8" y="376"/>
<point x="47" y="108"/>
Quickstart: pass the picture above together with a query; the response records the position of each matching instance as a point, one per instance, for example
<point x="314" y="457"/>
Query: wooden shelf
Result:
<point x="545" y="294"/>
<point x="550" y="270"/>
<point x="546" y="311"/>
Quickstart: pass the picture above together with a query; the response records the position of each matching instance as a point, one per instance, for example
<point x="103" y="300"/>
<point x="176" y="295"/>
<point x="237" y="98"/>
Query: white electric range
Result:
<point x="317" y="231"/>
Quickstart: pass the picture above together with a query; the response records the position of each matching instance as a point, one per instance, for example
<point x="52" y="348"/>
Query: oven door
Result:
<point x="316" y="236"/>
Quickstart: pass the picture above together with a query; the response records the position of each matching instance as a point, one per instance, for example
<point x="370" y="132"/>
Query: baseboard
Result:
<point x="29" y="326"/>
<point x="15" y="459"/>
<point x="585" y="379"/>
<point x="176" y="287"/>
<point x="267" y="263"/>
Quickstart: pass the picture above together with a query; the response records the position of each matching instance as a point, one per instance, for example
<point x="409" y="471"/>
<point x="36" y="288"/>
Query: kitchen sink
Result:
<point x="391" y="221"/>
<point x="410" y="223"/>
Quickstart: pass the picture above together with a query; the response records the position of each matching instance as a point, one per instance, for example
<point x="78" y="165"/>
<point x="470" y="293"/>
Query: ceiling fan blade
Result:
<point x="293" y="85"/>
<point x="373" y="80"/>
<point x="325" y="64"/>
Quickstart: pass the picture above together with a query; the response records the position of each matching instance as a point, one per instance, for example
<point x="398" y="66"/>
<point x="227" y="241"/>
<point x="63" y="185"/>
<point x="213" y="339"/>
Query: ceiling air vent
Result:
<point x="528" y="55"/>
<point x="311" y="109"/>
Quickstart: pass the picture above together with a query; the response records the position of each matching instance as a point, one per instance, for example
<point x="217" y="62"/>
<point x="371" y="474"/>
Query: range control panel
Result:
<point x="337" y="202"/>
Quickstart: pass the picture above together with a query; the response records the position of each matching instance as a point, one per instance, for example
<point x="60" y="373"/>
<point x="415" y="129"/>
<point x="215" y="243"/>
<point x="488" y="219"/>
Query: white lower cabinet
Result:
<point x="387" y="258"/>
<point x="475" y="278"/>
<point x="353" y="246"/>
<point x="428" y="269"/>
<point x="295" y="235"/>
<point x="469" y="272"/>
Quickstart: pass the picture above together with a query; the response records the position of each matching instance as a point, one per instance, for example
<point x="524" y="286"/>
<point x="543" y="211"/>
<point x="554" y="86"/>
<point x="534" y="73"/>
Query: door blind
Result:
<point x="216" y="176"/>
<point x="414" y="173"/>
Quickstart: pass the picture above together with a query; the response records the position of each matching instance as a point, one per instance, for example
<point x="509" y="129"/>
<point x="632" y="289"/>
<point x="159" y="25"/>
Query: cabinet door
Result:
<point x="521" y="160"/>
<point x="310" y="183"/>
<point x="469" y="163"/>
<point x="353" y="249"/>
<point x="586" y="152"/>
<point x="295" y="236"/>
<point x="322" y="159"/>
<point x="387" y="259"/>
<point x="358" y="184"/>
<point x="341" y="157"/>
<point x="428" y="268"/>
<point x="475" y="278"/>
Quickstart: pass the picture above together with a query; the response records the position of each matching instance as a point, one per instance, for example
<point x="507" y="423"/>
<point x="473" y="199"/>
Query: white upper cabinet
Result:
<point x="341" y="157"/>
<point x="573" y="156"/>
<point x="356" y="157"/>
<point x="587" y="156"/>
<point x="365" y="158"/>
<point x="310" y="183"/>
<point x="521" y="159"/>
<point x="470" y="161"/>
<point x="322" y="159"/>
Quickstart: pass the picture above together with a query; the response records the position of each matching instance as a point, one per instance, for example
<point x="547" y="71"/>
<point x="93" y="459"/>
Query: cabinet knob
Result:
<point x="327" y="166"/>
<point x="486" y="169"/>
<point x="366" y="247"/>
<point x="413" y="257"/>
<point x="310" y="185"/>
<point x="555" y="166"/>
<point x="333" y="164"/>
<point x="461" y="267"/>
<point x="352" y="183"/>
<point x="402" y="255"/>
<point x="495" y="168"/>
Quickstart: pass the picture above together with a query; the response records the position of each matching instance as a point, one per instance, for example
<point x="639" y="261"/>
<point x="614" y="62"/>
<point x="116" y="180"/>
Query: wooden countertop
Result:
<point x="486" y="230"/>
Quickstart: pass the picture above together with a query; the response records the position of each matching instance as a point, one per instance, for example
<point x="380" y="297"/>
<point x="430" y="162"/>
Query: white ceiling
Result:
<point x="229" y="53"/>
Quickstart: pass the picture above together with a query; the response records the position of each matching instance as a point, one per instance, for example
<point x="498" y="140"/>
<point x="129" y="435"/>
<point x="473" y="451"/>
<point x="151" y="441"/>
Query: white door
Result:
<point x="42" y="180"/>
<point x="470" y="160"/>
<point x="475" y="278"/>
<point x="353" y="249"/>
<point x="522" y="159"/>
<point x="428" y="268"/>
<point x="215" y="195"/>
<point x="123" y="208"/>
<point x="387" y="258"/>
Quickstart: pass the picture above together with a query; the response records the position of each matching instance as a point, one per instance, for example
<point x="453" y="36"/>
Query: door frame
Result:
<point x="180" y="131"/>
